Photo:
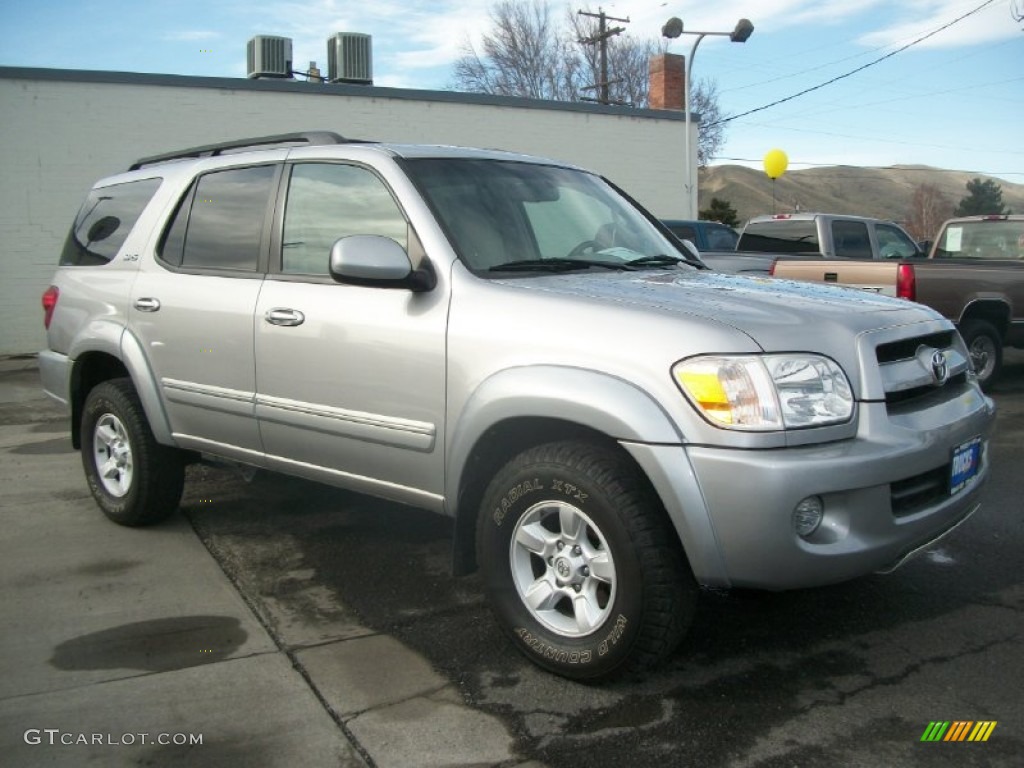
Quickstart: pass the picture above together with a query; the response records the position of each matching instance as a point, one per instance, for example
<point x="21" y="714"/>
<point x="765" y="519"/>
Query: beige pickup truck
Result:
<point x="974" y="276"/>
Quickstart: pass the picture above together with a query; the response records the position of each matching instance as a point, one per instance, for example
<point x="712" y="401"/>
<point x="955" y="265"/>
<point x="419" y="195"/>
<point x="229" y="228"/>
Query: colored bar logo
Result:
<point x="959" y="730"/>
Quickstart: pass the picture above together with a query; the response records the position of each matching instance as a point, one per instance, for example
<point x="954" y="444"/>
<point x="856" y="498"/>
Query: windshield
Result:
<point x="502" y="215"/>
<point x="982" y="239"/>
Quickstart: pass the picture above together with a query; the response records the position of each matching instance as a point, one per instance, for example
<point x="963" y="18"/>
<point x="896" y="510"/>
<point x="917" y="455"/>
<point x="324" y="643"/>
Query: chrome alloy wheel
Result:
<point x="562" y="568"/>
<point x="112" y="452"/>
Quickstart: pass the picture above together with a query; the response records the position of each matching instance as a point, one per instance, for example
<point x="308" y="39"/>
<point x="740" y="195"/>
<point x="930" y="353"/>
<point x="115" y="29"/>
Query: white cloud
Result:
<point x="990" y="24"/>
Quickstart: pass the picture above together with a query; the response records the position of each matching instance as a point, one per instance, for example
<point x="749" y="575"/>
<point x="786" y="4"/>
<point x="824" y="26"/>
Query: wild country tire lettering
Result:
<point x="548" y="651"/>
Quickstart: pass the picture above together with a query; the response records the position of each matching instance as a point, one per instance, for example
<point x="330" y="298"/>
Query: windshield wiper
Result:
<point x="659" y="260"/>
<point x="556" y="265"/>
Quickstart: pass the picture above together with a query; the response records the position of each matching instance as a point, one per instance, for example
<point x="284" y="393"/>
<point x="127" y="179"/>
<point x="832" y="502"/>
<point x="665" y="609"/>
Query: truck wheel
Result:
<point x="135" y="480"/>
<point x="580" y="563"/>
<point x="985" y="347"/>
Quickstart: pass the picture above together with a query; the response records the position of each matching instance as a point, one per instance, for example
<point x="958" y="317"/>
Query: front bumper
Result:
<point x="733" y="508"/>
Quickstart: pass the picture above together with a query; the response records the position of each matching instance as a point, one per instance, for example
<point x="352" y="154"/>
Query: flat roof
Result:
<point x="283" y="85"/>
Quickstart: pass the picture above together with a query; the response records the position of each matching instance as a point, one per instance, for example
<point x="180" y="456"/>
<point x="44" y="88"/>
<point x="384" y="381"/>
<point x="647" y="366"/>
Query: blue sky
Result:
<point x="954" y="100"/>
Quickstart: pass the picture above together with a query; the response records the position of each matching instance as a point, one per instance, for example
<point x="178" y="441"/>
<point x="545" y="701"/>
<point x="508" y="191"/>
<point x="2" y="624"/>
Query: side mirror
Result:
<point x="378" y="262"/>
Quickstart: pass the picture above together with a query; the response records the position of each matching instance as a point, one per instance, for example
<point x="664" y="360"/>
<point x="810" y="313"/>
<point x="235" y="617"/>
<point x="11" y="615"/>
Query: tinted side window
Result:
<point x="329" y="201"/>
<point x="219" y="223"/>
<point x="683" y="232"/>
<point x="851" y="239"/>
<point x="721" y="238"/>
<point x="781" y="236"/>
<point x="893" y="243"/>
<point x="103" y="223"/>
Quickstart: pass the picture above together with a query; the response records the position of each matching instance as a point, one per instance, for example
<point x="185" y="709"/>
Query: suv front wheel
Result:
<point x="580" y="563"/>
<point x="135" y="480"/>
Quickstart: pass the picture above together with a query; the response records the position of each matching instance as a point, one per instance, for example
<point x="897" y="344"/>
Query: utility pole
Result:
<point x="601" y="40"/>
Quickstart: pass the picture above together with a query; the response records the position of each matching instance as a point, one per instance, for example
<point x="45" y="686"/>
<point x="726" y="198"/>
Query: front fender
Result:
<point x="605" y="403"/>
<point x="609" y="405"/>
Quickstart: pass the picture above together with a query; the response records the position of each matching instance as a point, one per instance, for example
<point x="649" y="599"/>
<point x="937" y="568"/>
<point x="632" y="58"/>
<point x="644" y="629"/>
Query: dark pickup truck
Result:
<point x="974" y="276"/>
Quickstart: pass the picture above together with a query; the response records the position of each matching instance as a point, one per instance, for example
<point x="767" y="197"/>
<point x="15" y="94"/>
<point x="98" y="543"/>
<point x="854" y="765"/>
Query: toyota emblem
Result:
<point x="939" y="369"/>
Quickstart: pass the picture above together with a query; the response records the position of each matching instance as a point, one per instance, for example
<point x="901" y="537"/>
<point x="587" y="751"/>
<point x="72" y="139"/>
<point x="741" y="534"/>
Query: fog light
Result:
<point x="807" y="516"/>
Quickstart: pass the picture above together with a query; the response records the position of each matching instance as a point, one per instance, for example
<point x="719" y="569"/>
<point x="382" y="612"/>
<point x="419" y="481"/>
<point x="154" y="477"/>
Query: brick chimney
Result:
<point x="666" y="82"/>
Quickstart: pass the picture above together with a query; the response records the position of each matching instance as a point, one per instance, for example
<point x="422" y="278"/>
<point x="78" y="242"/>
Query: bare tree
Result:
<point x="928" y="209"/>
<point x="527" y="53"/>
<point x="523" y="55"/>
<point x="711" y="133"/>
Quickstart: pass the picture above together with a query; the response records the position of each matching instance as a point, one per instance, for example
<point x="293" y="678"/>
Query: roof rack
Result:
<point x="212" y="150"/>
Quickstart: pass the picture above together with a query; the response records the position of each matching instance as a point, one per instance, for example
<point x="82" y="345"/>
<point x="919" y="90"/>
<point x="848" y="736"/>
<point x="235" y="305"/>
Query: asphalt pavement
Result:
<point x="134" y="647"/>
<point x="279" y="622"/>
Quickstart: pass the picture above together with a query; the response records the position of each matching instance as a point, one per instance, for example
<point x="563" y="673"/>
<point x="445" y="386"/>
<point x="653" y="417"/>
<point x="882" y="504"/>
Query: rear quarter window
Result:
<point x="106" y="218"/>
<point x="781" y="236"/>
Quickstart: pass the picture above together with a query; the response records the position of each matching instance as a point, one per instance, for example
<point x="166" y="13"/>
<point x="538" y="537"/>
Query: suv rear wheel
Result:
<point x="135" y="480"/>
<point x="580" y="563"/>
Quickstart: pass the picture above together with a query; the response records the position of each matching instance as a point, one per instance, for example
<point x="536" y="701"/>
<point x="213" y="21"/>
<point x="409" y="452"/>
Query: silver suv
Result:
<point x="514" y="343"/>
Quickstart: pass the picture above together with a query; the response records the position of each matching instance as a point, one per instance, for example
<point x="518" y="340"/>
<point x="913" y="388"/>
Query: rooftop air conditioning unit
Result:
<point x="269" y="56"/>
<point x="350" y="58"/>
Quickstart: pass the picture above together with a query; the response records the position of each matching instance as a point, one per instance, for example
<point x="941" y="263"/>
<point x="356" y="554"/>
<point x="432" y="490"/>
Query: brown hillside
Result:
<point x="880" y="192"/>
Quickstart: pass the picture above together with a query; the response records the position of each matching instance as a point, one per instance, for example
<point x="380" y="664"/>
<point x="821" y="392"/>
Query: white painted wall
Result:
<point x="63" y="130"/>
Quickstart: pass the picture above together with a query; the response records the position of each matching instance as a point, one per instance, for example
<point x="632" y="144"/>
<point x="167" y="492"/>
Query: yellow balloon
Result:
<point x="775" y="163"/>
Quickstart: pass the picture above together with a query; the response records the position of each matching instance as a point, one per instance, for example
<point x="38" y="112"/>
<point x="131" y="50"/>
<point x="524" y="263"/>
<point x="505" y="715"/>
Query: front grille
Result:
<point x="905" y="349"/>
<point x="918" y="393"/>
<point x="908" y="379"/>
<point x="915" y="493"/>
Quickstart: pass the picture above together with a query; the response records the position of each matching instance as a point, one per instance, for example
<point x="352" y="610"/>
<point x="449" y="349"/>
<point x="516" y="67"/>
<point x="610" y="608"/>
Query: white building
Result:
<point x="64" y="129"/>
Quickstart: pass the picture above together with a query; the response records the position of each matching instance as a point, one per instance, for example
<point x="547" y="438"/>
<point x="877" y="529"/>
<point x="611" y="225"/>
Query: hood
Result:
<point x="779" y="315"/>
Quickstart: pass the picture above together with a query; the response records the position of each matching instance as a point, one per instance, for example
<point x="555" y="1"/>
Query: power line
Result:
<point x="854" y="71"/>
<point x="882" y="139"/>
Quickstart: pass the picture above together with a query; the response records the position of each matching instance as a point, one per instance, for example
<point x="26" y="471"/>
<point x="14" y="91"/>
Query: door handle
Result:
<point x="147" y="304"/>
<point x="286" y="317"/>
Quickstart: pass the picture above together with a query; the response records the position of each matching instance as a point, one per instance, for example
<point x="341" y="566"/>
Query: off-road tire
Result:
<point x="986" y="349"/>
<point x="135" y="480"/>
<point x="648" y="604"/>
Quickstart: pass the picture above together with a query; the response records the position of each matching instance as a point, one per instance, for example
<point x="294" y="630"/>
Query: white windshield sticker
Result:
<point x="954" y="236"/>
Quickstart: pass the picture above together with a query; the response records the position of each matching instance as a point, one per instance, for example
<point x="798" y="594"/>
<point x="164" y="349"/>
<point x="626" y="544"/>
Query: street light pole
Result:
<point x="672" y="29"/>
<point x="691" y="195"/>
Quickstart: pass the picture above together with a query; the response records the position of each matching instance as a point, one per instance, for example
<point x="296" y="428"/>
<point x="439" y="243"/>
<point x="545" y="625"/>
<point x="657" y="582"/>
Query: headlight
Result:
<point x="766" y="392"/>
